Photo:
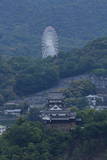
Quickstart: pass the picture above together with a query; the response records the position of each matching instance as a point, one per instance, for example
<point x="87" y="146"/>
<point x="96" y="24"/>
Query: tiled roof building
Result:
<point x="57" y="115"/>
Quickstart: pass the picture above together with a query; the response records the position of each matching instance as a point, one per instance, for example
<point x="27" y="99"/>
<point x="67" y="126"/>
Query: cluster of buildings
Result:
<point x="9" y="110"/>
<point x="55" y="114"/>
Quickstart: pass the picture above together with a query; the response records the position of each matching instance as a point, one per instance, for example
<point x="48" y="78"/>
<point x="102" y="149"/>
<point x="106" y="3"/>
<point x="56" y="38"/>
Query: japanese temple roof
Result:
<point x="54" y="111"/>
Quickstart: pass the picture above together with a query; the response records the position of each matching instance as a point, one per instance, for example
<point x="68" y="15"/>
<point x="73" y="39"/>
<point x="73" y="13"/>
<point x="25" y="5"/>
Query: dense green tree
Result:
<point x="80" y="88"/>
<point x="34" y="141"/>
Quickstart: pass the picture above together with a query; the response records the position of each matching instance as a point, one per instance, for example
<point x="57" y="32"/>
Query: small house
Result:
<point x="14" y="112"/>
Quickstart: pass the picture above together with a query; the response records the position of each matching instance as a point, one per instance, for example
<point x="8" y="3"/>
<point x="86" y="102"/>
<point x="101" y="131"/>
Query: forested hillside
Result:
<point x="32" y="140"/>
<point x="23" y="76"/>
<point x="76" y="21"/>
